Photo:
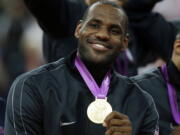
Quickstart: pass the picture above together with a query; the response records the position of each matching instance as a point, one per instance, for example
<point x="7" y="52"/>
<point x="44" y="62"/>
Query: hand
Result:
<point x="117" y="124"/>
<point x="176" y="131"/>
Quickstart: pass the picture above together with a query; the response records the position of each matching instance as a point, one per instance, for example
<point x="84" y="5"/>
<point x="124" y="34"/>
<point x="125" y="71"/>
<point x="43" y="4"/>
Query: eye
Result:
<point x="94" y="25"/>
<point x="115" y="31"/>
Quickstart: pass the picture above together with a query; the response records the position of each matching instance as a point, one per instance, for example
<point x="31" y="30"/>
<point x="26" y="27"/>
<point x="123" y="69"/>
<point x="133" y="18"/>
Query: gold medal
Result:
<point x="98" y="110"/>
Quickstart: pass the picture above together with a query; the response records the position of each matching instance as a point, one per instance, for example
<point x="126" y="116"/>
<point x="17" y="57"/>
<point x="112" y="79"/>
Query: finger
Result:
<point x="114" y="115"/>
<point x="116" y="129"/>
<point x="117" y="133"/>
<point x="118" y="122"/>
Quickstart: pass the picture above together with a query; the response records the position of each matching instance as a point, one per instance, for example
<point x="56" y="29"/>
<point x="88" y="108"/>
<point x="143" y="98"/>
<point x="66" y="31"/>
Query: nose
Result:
<point x="103" y="34"/>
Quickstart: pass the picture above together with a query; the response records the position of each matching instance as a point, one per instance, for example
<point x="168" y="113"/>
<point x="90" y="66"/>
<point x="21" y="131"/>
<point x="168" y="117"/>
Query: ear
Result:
<point x="78" y="29"/>
<point x="125" y="42"/>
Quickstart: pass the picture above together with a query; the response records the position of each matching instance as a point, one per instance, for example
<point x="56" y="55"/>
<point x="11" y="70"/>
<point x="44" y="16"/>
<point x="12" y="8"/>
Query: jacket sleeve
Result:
<point x="23" y="111"/>
<point x="52" y="15"/>
<point x="150" y="124"/>
<point x="152" y="30"/>
<point x="140" y="5"/>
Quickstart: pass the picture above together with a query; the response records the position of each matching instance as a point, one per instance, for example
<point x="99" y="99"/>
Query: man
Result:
<point x="76" y="95"/>
<point x="161" y="84"/>
<point x="58" y="20"/>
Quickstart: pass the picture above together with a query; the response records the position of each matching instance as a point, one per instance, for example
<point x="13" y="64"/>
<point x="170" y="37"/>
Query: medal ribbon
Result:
<point x="98" y="92"/>
<point x="172" y="96"/>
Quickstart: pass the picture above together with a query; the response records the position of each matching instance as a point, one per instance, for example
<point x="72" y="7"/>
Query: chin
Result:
<point x="96" y="58"/>
<point x="101" y="61"/>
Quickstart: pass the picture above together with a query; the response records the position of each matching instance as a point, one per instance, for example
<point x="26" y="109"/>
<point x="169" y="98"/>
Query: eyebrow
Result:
<point x="95" y="20"/>
<point x="112" y="25"/>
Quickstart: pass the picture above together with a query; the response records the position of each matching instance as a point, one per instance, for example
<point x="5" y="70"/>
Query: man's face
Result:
<point x="177" y="45"/>
<point x="176" y="52"/>
<point x="101" y="35"/>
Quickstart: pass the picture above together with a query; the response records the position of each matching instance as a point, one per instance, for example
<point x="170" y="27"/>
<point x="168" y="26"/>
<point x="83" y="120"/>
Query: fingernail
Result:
<point x="104" y="124"/>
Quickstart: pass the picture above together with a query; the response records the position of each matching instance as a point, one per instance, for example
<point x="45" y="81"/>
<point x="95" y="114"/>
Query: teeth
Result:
<point x="99" y="45"/>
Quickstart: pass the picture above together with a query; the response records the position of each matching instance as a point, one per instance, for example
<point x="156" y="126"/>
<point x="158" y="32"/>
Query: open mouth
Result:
<point x="99" y="46"/>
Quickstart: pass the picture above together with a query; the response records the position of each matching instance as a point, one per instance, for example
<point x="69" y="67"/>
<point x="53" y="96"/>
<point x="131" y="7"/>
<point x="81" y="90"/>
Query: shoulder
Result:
<point x="44" y="69"/>
<point x="152" y="82"/>
<point x="34" y="84"/>
<point x="149" y="81"/>
<point x="134" y="90"/>
<point x="152" y="74"/>
<point x="122" y="79"/>
<point x="39" y="75"/>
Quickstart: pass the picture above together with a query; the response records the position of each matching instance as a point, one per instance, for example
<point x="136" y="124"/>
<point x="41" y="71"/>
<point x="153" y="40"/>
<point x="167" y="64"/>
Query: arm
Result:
<point x="140" y="5"/>
<point x="52" y="15"/>
<point x="154" y="33"/>
<point x="150" y="125"/>
<point x="23" y="111"/>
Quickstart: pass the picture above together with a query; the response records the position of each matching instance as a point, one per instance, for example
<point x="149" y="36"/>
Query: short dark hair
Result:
<point x="105" y="2"/>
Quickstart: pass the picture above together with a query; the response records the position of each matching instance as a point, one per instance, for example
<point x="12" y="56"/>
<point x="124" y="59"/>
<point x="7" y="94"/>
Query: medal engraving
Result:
<point x="98" y="110"/>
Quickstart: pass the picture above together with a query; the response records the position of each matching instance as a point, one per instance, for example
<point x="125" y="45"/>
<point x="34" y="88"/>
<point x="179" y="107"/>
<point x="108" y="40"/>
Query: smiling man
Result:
<point x="163" y="84"/>
<point x="100" y="38"/>
<point x="82" y="94"/>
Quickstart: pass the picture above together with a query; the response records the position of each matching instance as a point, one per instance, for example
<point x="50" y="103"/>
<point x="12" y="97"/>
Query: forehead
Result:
<point x="178" y="36"/>
<point x="106" y="13"/>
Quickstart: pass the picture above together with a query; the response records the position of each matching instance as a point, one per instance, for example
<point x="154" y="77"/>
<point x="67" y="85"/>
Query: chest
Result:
<point x="66" y="109"/>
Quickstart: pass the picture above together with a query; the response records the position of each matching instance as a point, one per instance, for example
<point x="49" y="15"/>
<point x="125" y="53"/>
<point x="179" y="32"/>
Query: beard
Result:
<point x="94" y="59"/>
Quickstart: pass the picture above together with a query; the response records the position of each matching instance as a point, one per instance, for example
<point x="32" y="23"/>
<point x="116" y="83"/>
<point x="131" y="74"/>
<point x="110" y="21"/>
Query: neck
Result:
<point x="97" y="71"/>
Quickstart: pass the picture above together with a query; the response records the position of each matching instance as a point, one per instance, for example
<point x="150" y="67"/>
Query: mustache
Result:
<point x="97" y="41"/>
